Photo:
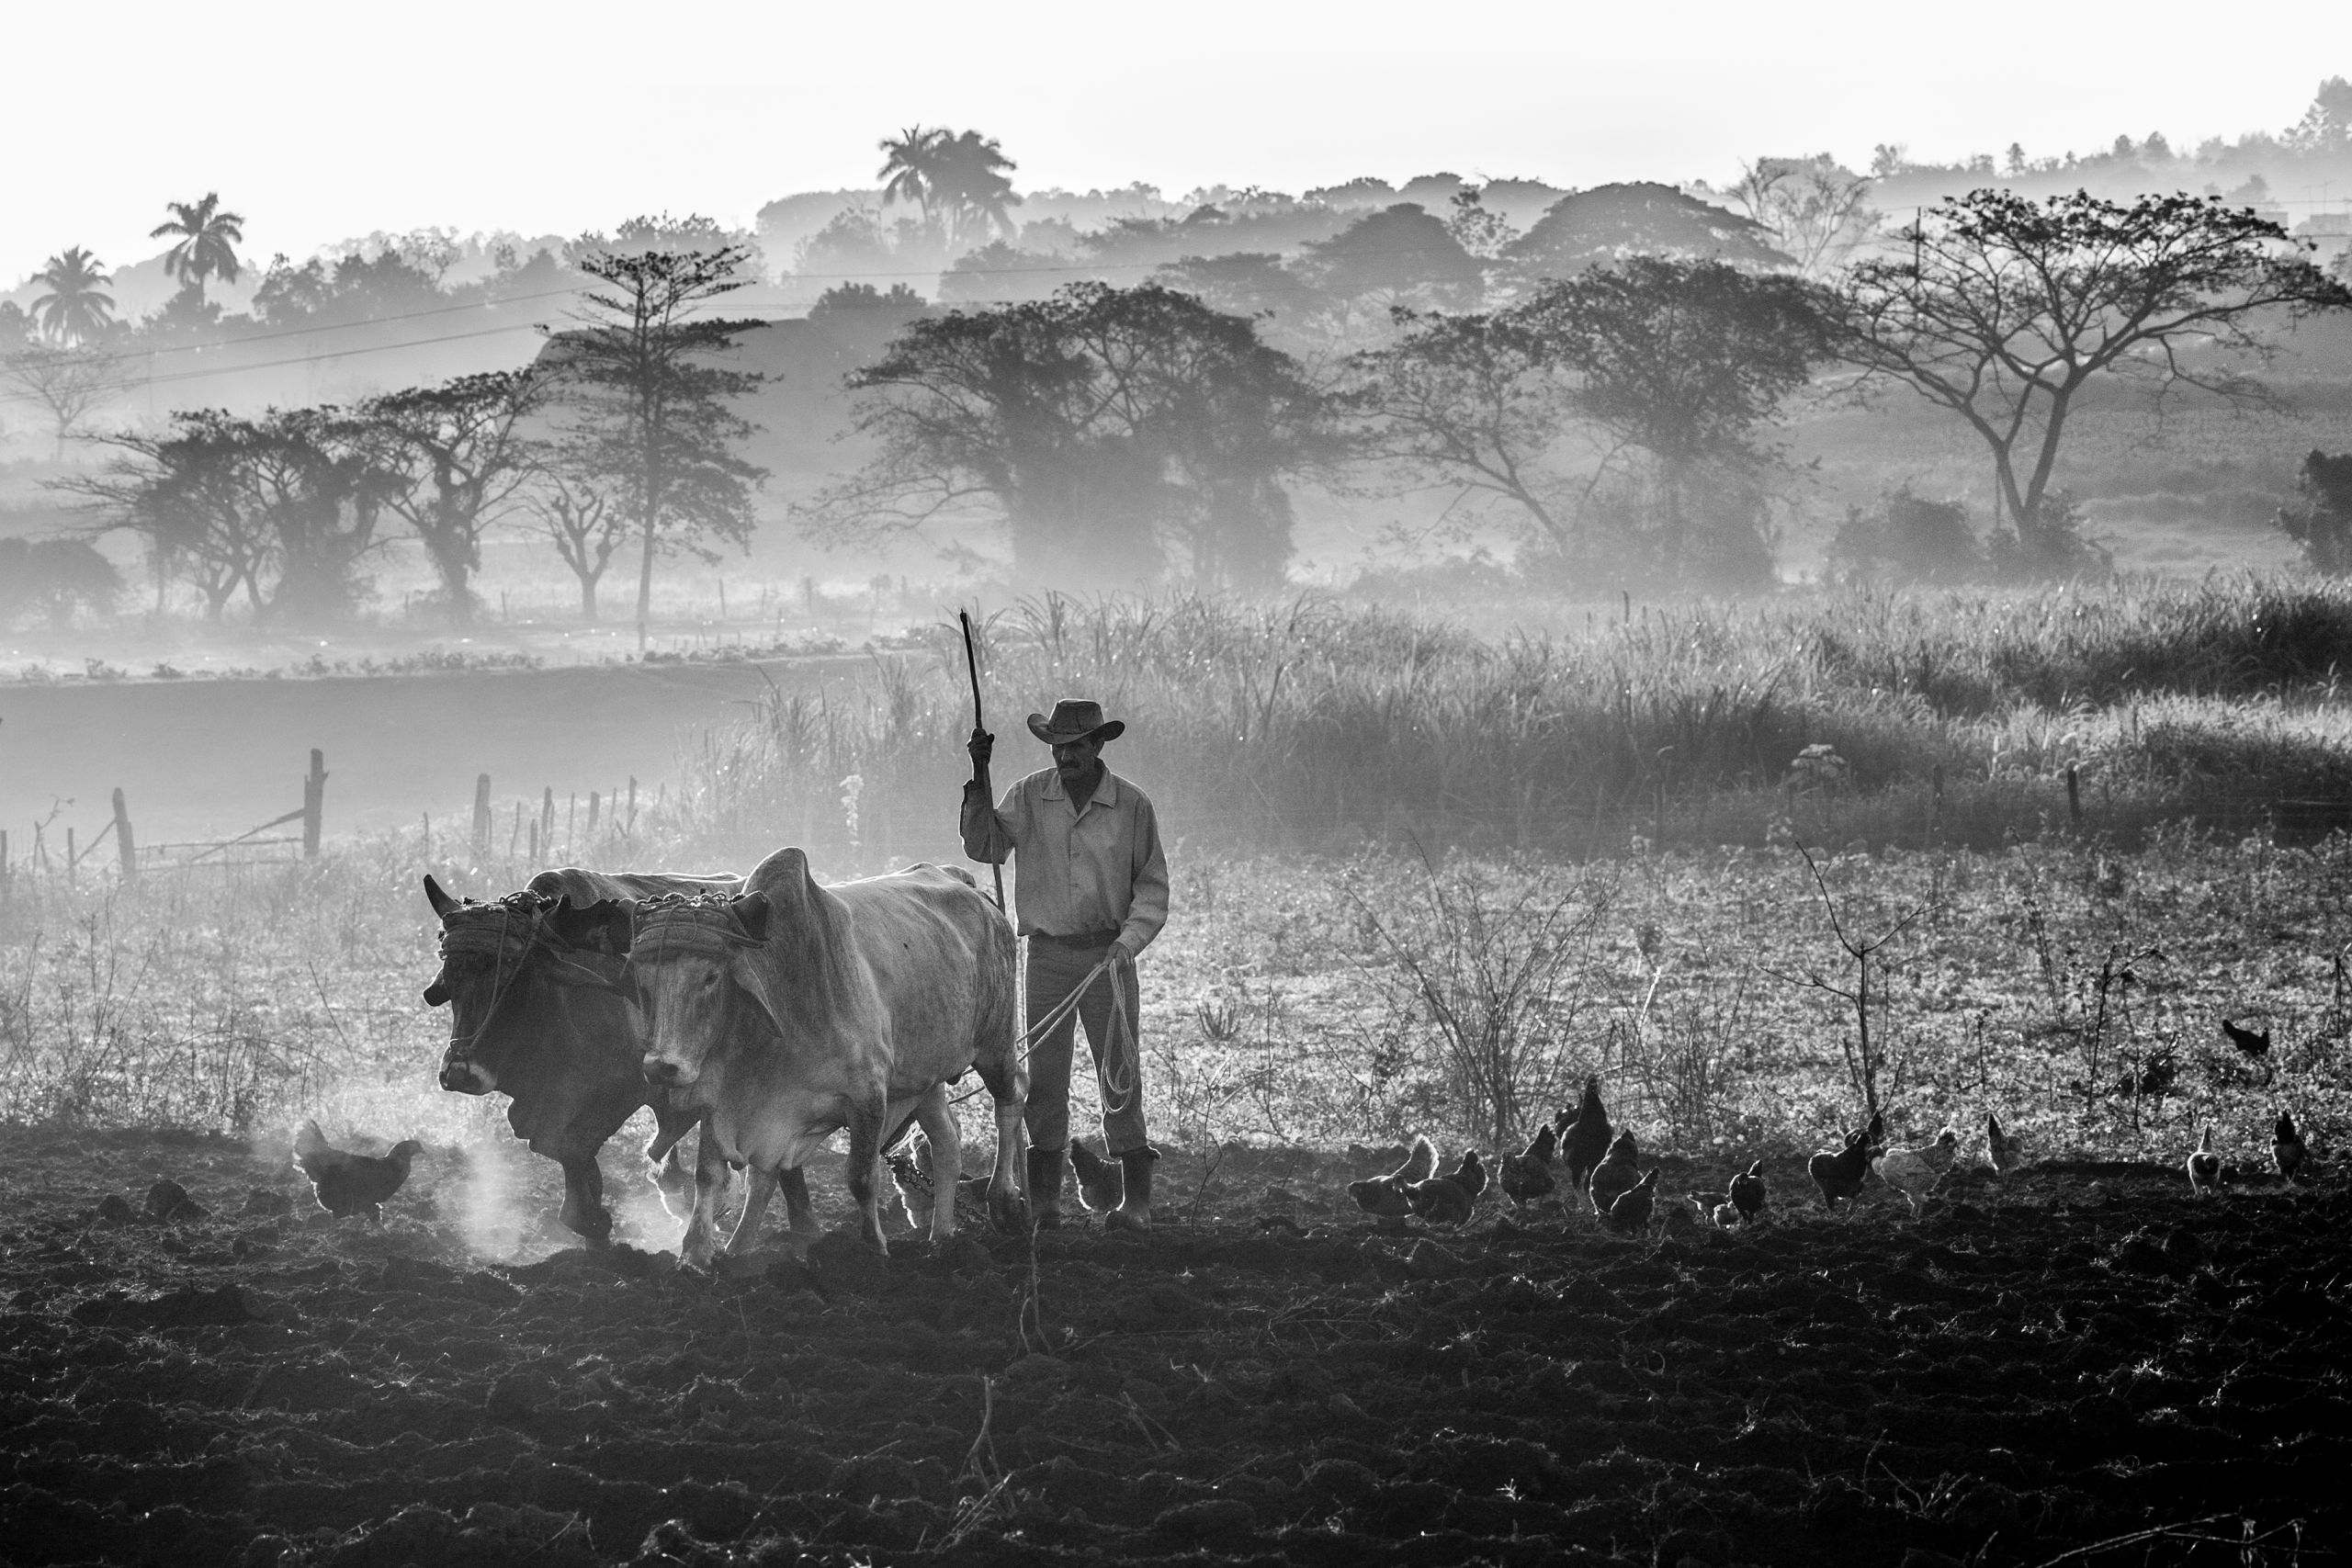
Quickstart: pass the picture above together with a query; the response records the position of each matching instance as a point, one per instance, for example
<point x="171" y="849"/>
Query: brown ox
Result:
<point x="794" y="1011"/>
<point x="541" y="1011"/>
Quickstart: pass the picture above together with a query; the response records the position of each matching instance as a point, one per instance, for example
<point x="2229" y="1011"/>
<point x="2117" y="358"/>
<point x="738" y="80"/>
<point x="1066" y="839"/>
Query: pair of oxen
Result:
<point x="768" y="1011"/>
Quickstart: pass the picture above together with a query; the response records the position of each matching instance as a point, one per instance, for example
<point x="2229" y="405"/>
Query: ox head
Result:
<point x="489" y="956"/>
<point x="695" y="965"/>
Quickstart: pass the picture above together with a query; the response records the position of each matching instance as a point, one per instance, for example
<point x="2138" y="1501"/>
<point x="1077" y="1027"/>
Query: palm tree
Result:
<point x="971" y="184"/>
<point x="77" y="308"/>
<point x="911" y="165"/>
<point x="207" y="236"/>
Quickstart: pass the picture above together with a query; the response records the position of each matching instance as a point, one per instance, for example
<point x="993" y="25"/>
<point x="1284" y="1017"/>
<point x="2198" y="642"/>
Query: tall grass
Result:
<point x="1321" y="726"/>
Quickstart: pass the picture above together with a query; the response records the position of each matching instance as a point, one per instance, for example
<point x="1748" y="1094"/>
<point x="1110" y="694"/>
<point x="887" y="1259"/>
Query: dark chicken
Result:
<point x="1615" y="1176"/>
<point x="1839" y="1175"/>
<point x="1631" y="1212"/>
<point x="2286" y="1147"/>
<point x="1383" y="1196"/>
<point x="1102" y="1183"/>
<point x="1584" y="1137"/>
<point x="1748" y="1193"/>
<point x="348" y="1183"/>
<point x="2249" y="1041"/>
<point x="1447" y="1200"/>
<point x="1526" y="1176"/>
<point x="2204" y="1164"/>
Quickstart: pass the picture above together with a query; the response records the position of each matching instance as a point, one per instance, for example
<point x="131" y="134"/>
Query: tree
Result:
<point x="284" y="508"/>
<point x="958" y="179"/>
<point x="2322" y="523"/>
<point x="1400" y="255"/>
<point x="2004" y="309"/>
<point x="207" y="241"/>
<point x="1104" y="426"/>
<point x="1683" y="361"/>
<point x="1813" y="209"/>
<point x="76" y="310"/>
<point x="56" y="577"/>
<point x="1472" y="401"/>
<point x="1609" y="223"/>
<point x="654" y="429"/>
<point x="462" y="453"/>
<point x="67" y="382"/>
<point x="584" y="528"/>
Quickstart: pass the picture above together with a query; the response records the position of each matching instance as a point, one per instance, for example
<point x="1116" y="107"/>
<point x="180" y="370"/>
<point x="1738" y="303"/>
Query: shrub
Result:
<point x="1906" y="538"/>
<point x="2322" y="523"/>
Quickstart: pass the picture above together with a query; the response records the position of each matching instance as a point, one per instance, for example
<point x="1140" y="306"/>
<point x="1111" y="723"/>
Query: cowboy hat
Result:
<point x="1075" y="719"/>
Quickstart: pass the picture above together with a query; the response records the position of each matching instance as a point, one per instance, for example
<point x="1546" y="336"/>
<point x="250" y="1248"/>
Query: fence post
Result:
<point x="8" y="873"/>
<point x="123" y="840"/>
<point x="2074" y="796"/>
<point x="482" y="819"/>
<point x="71" y="857"/>
<point x="593" y="799"/>
<point x="314" y="800"/>
<point x="547" y="819"/>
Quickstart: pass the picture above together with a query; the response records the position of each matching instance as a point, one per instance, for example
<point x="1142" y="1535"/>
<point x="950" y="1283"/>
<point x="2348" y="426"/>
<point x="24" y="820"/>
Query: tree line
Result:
<point x="622" y="431"/>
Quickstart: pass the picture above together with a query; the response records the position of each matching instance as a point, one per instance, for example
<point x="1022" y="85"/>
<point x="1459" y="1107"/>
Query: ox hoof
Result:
<point x="1009" y="1212"/>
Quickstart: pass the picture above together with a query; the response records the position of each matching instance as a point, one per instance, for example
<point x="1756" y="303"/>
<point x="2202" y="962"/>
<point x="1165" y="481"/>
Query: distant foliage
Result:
<point x="1906" y="538"/>
<point x="55" y="578"/>
<point x="2322" y="523"/>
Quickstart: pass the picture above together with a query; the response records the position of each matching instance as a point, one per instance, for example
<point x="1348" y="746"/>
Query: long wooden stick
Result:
<point x="972" y="667"/>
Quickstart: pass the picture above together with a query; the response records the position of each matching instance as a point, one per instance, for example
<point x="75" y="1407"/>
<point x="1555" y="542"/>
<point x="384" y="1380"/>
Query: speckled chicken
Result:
<point x="2002" y="1150"/>
<point x="352" y="1184"/>
<point x="918" y="1196"/>
<point x="1526" y="1176"/>
<point x="1584" y="1137"/>
<point x="2288" y="1150"/>
<point x="1447" y="1200"/>
<point x="1615" y="1176"/>
<point x="1914" y="1173"/>
<point x="1383" y="1196"/>
<point x="2204" y="1164"/>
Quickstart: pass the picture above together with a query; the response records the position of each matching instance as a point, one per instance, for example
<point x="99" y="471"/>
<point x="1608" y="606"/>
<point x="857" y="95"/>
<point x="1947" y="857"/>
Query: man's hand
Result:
<point x="982" y="746"/>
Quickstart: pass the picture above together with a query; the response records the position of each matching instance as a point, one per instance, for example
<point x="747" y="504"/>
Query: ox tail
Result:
<point x="996" y="1013"/>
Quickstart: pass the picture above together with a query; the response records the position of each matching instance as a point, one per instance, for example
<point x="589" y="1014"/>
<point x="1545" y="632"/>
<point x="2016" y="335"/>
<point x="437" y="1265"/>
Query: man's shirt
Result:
<point x="1080" y="871"/>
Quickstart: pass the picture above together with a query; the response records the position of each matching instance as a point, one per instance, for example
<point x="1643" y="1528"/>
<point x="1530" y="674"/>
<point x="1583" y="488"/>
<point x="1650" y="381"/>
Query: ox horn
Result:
<point x="442" y="903"/>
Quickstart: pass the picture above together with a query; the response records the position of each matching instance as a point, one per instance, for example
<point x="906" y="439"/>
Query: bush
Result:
<point x="56" y="577"/>
<point x="2322" y="523"/>
<point x="1906" y="538"/>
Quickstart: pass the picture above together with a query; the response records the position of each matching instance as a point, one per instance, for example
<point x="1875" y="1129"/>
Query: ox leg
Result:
<point x="866" y="1129"/>
<point x="710" y="1186"/>
<point x="584" y="1213"/>
<point x="942" y="1153"/>
<point x="756" y="1203"/>
<point x="793" y="1184"/>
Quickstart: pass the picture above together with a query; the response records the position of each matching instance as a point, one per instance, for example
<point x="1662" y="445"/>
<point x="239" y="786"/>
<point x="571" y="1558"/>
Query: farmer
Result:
<point x="1090" y="888"/>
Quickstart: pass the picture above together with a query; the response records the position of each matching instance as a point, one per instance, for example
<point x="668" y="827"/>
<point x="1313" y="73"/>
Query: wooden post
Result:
<point x="514" y="834"/>
<point x="2074" y="796"/>
<point x="571" y="821"/>
<point x="592" y="800"/>
<point x="314" y="801"/>
<point x="71" y="857"/>
<point x="1936" y="800"/>
<point x="547" y="818"/>
<point x="482" y="818"/>
<point x="535" y="841"/>
<point x="7" y="873"/>
<point x="123" y="841"/>
<point x="632" y="805"/>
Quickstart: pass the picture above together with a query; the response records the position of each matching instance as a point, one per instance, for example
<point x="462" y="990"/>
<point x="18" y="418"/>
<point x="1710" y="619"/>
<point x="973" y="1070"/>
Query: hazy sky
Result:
<point x="321" y="122"/>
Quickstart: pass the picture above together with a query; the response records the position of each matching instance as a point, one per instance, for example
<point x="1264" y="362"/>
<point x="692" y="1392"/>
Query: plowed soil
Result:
<point x="2070" y="1359"/>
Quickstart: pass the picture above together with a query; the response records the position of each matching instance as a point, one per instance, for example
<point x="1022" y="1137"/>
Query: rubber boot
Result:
<point x="1047" y="1168"/>
<point x="1134" y="1212"/>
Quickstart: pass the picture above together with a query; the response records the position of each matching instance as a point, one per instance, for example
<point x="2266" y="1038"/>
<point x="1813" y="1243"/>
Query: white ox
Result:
<point x="793" y="1010"/>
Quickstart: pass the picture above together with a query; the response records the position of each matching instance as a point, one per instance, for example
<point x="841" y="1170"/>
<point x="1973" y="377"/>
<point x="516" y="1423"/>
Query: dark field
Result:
<point x="2086" y="1365"/>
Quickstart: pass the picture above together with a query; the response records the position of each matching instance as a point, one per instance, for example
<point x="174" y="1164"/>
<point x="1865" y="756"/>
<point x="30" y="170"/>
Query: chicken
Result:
<point x="1914" y="1172"/>
<point x="1714" y="1209"/>
<point x="2204" y="1164"/>
<point x="1526" y="1176"/>
<point x="1584" y="1137"/>
<point x="348" y="1183"/>
<point x="918" y="1196"/>
<point x="2286" y="1147"/>
<point x="1102" y="1183"/>
<point x="2249" y="1041"/>
<point x="1748" y="1193"/>
<point x="1631" y="1212"/>
<point x="1841" y="1174"/>
<point x="1447" y="1200"/>
<point x="2001" y="1149"/>
<point x="1615" y="1176"/>
<point x="1383" y="1196"/>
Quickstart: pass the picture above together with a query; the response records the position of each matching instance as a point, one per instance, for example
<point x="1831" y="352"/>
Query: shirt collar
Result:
<point x="1105" y="794"/>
